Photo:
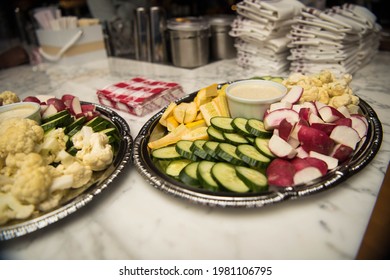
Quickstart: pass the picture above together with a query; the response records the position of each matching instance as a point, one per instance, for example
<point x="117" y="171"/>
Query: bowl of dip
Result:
<point x="29" y="110"/>
<point x="252" y="98"/>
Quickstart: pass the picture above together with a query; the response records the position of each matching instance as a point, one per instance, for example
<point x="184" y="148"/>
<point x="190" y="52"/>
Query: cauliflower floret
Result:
<point x="72" y="166"/>
<point x="8" y="97"/>
<point x="342" y="100"/>
<point x="19" y="136"/>
<point x="53" y="142"/>
<point x="32" y="179"/>
<point x="309" y="94"/>
<point x="95" y="152"/>
<point x="11" y="208"/>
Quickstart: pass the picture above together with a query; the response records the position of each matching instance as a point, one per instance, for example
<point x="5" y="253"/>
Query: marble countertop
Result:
<point x="133" y="220"/>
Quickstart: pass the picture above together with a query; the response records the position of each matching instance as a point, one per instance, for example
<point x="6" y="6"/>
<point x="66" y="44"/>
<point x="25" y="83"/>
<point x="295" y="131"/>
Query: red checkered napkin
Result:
<point x="139" y="96"/>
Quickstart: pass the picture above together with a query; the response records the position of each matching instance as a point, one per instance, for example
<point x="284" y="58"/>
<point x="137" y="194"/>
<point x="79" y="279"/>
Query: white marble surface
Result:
<point x="133" y="220"/>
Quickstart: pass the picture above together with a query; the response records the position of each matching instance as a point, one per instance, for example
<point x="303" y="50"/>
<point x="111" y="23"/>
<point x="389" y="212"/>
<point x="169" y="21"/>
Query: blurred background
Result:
<point x="17" y="24"/>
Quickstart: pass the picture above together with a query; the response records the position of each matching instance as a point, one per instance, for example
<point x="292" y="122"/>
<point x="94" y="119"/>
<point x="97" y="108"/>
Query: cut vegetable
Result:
<point x="256" y="128"/>
<point x="204" y="175"/>
<point x="166" y="153"/>
<point x="261" y="145"/>
<point x="183" y="148"/>
<point x="330" y="114"/>
<point x="209" y="110"/>
<point x="227" y="152"/>
<point x="188" y="174"/>
<point x="330" y="161"/>
<point x="345" y="135"/>
<point x="225" y="175"/>
<point x="251" y="156"/>
<point x="273" y="119"/>
<point x="254" y="179"/>
<point x="312" y="139"/>
<point x="239" y="125"/>
<point x="215" y="134"/>
<point x="235" y="138"/>
<point x="176" y="166"/>
<point x="167" y="113"/>
<point x="342" y="152"/>
<point x="306" y="175"/>
<point x="280" y="173"/>
<point x="281" y="148"/>
<point x="223" y="124"/>
<point x="293" y="95"/>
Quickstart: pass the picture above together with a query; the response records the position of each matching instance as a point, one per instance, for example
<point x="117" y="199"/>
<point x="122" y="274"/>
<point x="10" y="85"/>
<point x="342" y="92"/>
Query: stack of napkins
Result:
<point x="261" y="27"/>
<point x="340" y="39"/>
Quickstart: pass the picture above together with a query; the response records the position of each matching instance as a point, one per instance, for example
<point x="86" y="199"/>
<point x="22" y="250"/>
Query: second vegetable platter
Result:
<point x="146" y="166"/>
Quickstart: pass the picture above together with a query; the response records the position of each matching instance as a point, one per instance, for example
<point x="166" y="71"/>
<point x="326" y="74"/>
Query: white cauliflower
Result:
<point x="95" y="151"/>
<point x="8" y="97"/>
<point x="11" y="208"/>
<point x="19" y="136"/>
<point x="54" y="141"/>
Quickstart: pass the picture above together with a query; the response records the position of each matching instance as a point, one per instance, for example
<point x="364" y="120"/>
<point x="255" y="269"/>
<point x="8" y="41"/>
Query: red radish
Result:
<point x="344" y="110"/>
<point x="294" y="132"/>
<point x="360" y="117"/>
<point x="344" y="121"/>
<point x="318" y="163"/>
<point x="43" y="108"/>
<point x="280" y="173"/>
<point x="359" y="125"/>
<point x="50" y="110"/>
<point x="312" y="139"/>
<point x="32" y="99"/>
<point x="285" y="128"/>
<point x="67" y="99"/>
<point x="301" y="153"/>
<point x="315" y="119"/>
<point x="44" y="98"/>
<point x="57" y="103"/>
<point x="319" y="105"/>
<point x="75" y="106"/>
<point x="306" y="175"/>
<point x="325" y="127"/>
<point x="280" y="105"/>
<point x="345" y="135"/>
<point x="273" y="119"/>
<point x="312" y="106"/>
<point x="330" y="114"/>
<point x="304" y="113"/>
<point x="88" y="107"/>
<point x="299" y="163"/>
<point x="293" y="142"/>
<point x="293" y="95"/>
<point x="296" y="107"/>
<point x="330" y="161"/>
<point x="342" y="152"/>
<point x="281" y="148"/>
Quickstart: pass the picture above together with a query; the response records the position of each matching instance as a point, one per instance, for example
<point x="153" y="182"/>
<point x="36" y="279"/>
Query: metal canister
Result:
<point x="142" y="35"/>
<point x="189" y="41"/>
<point x="158" y="23"/>
<point x="221" y="43"/>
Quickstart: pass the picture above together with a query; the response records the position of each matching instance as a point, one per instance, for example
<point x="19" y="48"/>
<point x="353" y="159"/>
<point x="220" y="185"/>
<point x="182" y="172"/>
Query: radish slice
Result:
<point x="359" y="125"/>
<point x="75" y="106"/>
<point x="57" y="103"/>
<point x="319" y="105"/>
<point x="293" y="95"/>
<point x="280" y="173"/>
<point x="273" y="119"/>
<point x="345" y="135"/>
<point x="304" y="113"/>
<point x="315" y="119"/>
<point x="344" y="121"/>
<point x="312" y="106"/>
<point x="330" y="114"/>
<point x="360" y="117"/>
<point x="318" y="163"/>
<point x="301" y="153"/>
<point x="306" y="175"/>
<point x="50" y="110"/>
<point x="280" y="105"/>
<point x="344" y="110"/>
<point x="325" y="127"/>
<point x="285" y="128"/>
<point x="281" y="148"/>
<point x="312" y="139"/>
<point x="330" y="161"/>
<point x="32" y="99"/>
<point x="342" y="152"/>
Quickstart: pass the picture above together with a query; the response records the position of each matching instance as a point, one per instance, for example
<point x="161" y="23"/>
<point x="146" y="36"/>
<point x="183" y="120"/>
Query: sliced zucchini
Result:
<point x="188" y="174"/>
<point x="225" y="174"/>
<point x="204" y="175"/>
<point x="56" y="116"/>
<point x="95" y="121"/>
<point x="175" y="167"/>
<point x="256" y="128"/>
<point x="234" y="138"/>
<point x="166" y="153"/>
<point x="251" y="156"/>
<point x="62" y="121"/>
<point x="223" y="124"/>
<point x="227" y="152"/>
<point x="215" y="134"/>
<point x="254" y="179"/>
<point x="239" y="125"/>
<point x="211" y="148"/>
<point x="261" y="145"/>
<point x="183" y="147"/>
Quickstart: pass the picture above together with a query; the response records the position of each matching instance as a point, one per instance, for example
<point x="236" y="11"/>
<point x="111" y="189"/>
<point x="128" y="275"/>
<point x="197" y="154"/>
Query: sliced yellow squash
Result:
<point x="171" y="123"/>
<point x="167" y="113"/>
<point x="209" y="110"/>
<point x="199" y="133"/>
<point x="169" y="139"/>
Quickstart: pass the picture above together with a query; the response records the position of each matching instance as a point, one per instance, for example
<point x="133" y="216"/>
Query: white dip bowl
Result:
<point x="29" y="110"/>
<point x="251" y="98"/>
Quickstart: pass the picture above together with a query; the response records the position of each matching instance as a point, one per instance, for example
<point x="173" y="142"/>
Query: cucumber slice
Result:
<point x="72" y="151"/>
<point x="250" y="139"/>
<point x="95" y="121"/>
<point x="204" y="175"/>
<point x="197" y="149"/>
<point x="211" y="148"/>
<point x="188" y="174"/>
<point x="175" y="167"/>
<point x="251" y="156"/>
<point x="62" y="121"/>
<point x="227" y="152"/>
<point x="215" y="134"/>
<point x="77" y="123"/>
<point x="256" y="128"/>
<point x="55" y="116"/>
<point x="239" y="125"/>
<point x="74" y="131"/>
<point x="223" y="124"/>
<point x="254" y="179"/>
<point x="166" y="153"/>
<point x="225" y="175"/>
<point x="161" y="164"/>
<point x="261" y="145"/>
<point x="183" y="147"/>
<point x="235" y="138"/>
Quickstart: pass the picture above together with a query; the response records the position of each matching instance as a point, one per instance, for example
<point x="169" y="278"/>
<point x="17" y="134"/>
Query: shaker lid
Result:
<point x="188" y="23"/>
<point x="221" y="20"/>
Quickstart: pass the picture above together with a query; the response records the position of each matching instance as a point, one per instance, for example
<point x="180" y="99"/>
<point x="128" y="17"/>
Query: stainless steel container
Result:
<point x="158" y="23"/>
<point x="189" y="41"/>
<point x="221" y="43"/>
<point x="142" y="35"/>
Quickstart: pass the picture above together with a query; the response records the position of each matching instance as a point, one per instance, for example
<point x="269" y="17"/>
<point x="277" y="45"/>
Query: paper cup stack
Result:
<point x="341" y="39"/>
<point x="261" y="29"/>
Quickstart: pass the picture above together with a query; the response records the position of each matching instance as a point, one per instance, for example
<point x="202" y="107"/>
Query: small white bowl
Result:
<point x="251" y="98"/>
<point x="29" y="110"/>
